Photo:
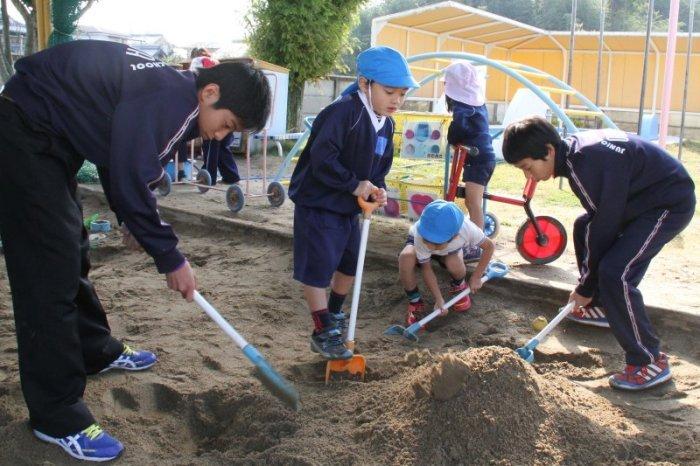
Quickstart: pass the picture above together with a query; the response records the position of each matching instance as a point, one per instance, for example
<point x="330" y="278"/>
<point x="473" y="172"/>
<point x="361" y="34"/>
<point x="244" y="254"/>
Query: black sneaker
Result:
<point x="329" y="343"/>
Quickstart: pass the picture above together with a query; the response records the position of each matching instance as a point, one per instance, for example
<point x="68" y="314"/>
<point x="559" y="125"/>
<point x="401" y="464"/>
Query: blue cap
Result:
<point x="385" y="66"/>
<point x="440" y="222"/>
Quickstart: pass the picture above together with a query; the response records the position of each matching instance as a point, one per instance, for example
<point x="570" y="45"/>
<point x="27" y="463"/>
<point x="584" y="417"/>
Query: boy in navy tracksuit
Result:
<point x="125" y="112"/>
<point x="637" y="198"/>
<point x="347" y="156"/>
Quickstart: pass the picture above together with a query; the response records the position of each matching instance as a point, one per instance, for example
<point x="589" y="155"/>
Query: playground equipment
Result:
<point x="540" y="240"/>
<point x="275" y="193"/>
<point x="415" y="182"/>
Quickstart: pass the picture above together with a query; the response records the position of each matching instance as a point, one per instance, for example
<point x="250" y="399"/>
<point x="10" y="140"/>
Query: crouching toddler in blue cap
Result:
<point x="348" y="154"/>
<point x="443" y="232"/>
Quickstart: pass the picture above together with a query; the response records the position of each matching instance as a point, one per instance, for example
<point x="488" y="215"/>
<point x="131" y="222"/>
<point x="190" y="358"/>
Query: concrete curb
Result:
<point x="551" y="296"/>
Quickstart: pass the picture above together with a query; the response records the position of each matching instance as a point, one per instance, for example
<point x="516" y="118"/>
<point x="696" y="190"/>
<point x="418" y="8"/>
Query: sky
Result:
<point x="183" y="23"/>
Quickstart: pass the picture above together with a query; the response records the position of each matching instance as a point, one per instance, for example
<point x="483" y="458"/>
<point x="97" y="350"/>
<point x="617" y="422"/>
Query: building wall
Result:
<point x="621" y="75"/>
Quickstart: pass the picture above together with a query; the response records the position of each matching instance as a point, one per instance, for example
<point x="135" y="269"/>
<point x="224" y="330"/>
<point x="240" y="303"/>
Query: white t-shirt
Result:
<point x="468" y="237"/>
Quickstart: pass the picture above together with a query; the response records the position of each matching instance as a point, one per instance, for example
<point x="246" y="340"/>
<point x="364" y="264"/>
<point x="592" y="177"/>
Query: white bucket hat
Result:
<point x="464" y="83"/>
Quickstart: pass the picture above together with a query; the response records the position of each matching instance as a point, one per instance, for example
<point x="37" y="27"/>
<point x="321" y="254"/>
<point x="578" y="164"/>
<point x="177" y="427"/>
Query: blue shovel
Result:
<point x="274" y="382"/>
<point x="527" y="352"/>
<point x="494" y="270"/>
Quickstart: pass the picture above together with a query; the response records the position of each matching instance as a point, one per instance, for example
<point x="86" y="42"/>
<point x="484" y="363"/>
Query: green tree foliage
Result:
<point x="306" y="36"/>
<point x="66" y="14"/>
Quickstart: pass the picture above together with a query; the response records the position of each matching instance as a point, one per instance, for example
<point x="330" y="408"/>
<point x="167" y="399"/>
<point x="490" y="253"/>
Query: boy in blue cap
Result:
<point x="348" y="154"/>
<point x="443" y="232"/>
<point x="125" y="112"/>
<point x="637" y="198"/>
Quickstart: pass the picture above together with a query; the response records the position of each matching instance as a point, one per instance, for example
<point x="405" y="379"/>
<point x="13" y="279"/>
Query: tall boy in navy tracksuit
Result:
<point x="637" y="198"/>
<point x="347" y="156"/>
<point x="125" y="112"/>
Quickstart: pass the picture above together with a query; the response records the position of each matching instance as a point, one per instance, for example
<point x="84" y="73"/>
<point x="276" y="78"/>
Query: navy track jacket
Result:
<point x="618" y="177"/>
<point x="343" y="150"/>
<point x="123" y="111"/>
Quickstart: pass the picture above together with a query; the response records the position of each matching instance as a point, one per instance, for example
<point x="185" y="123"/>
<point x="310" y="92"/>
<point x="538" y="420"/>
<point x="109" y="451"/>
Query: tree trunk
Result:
<point x="294" y="99"/>
<point x="6" y="60"/>
<point x="29" y="17"/>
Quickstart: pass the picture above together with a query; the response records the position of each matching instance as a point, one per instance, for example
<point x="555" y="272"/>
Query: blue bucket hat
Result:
<point x="440" y="221"/>
<point x="385" y="66"/>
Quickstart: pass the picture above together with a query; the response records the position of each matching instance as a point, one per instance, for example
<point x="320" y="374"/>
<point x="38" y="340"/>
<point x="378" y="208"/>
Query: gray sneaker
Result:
<point x="329" y="343"/>
<point x="341" y="320"/>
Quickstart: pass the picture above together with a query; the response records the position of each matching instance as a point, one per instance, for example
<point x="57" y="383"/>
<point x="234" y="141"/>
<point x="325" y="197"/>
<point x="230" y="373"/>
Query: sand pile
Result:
<point x="486" y="404"/>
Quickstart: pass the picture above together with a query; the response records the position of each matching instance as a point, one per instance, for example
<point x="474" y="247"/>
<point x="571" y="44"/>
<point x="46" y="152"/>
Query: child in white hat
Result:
<point x="465" y="98"/>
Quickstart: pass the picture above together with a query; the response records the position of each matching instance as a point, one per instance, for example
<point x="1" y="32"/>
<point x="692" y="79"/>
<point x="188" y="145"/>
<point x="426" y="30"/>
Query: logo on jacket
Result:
<point x="381" y="146"/>
<point x="611" y="146"/>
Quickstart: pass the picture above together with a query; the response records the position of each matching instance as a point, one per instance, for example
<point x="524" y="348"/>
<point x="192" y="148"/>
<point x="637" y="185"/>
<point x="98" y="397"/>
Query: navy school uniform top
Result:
<point x="344" y="148"/>
<point x="618" y="177"/>
<point x="123" y="111"/>
<point x="470" y="127"/>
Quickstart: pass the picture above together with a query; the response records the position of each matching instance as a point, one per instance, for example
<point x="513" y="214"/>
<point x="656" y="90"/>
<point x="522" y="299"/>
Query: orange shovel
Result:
<point x="355" y="366"/>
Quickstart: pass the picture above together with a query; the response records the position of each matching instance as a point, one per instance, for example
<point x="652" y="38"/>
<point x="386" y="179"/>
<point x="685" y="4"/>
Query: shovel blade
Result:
<point x="411" y="333"/>
<point x="526" y="353"/>
<point x="395" y="330"/>
<point x="355" y="366"/>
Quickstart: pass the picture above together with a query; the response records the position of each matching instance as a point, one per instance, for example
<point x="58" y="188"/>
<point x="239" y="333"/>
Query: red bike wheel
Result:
<point x="554" y="240"/>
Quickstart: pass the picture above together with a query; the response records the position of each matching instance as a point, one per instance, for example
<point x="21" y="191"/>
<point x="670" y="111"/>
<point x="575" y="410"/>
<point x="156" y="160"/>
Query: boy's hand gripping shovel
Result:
<point x="356" y="364"/>
<point x="274" y="382"/>
<point x="526" y="352"/>
<point x="494" y="270"/>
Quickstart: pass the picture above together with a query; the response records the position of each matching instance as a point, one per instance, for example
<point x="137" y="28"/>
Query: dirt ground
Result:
<point x="459" y="396"/>
<point x="677" y="267"/>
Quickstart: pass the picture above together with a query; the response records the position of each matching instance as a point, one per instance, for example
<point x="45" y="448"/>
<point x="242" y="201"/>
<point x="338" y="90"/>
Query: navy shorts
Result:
<point x="324" y="242"/>
<point x="470" y="127"/>
<point x="479" y="173"/>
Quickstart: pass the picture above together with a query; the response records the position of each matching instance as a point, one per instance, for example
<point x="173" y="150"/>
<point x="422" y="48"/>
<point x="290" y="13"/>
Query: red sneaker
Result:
<point x="415" y="312"/>
<point x="463" y="304"/>
<point x="635" y="378"/>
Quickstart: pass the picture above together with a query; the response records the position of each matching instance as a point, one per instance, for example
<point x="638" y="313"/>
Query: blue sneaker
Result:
<point x="635" y="378"/>
<point x="91" y="444"/>
<point x="589" y="315"/>
<point x="131" y="360"/>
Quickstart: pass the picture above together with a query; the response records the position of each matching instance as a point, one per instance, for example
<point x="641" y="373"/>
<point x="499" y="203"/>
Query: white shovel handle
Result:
<point x="449" y="303"/>
<point x="216" y="317"/>
<point x="550" y="326"/>
<point x="357" y="285"/>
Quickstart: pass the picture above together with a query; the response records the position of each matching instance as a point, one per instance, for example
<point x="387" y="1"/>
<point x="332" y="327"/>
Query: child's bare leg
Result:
<point x="315" y="298"/>
<point x="409" y="280"/>
<point x="458" y="271"/>
<point x="473" y="200"/>
<point x="341" y="283"/>
<point x="407" y="267"/>
<point x="455" y="266"/>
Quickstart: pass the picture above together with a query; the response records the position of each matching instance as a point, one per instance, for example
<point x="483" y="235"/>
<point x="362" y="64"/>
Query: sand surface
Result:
<point x="458" y="396"/>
